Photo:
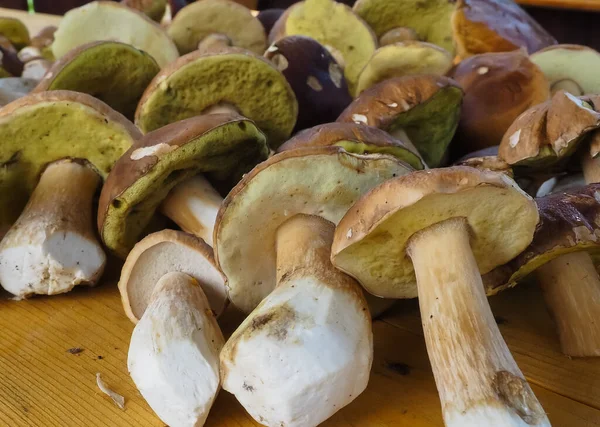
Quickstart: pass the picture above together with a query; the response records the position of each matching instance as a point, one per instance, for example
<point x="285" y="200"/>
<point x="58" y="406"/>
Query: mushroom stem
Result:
<point x="478" y="381"/>
<point x="220" y="108"/>
<point x="193" y="205"/>
<point x="52" y="246"/>
<point x="567" y="85"/>
<point x="591" y="168"/>
<point x="571" y="289"/>
<point x="213" y="42"/>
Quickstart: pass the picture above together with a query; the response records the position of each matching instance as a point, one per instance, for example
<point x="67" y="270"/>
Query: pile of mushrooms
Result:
<point x="307" y="167"/>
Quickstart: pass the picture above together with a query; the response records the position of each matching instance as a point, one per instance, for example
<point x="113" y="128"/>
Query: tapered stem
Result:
<point x="52" y="246"/>
<point x="571" y="288"/>
<point x="193" y="205"/>
<point x="478" y="381"/>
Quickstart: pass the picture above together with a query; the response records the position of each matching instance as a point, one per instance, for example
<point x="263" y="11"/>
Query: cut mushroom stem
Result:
<point x="52" y="246"/>
<point x="193" y="205"/>
<point x="214" y="42"/>
<point x="478" y="381"/>
<point x="571" y="289"/>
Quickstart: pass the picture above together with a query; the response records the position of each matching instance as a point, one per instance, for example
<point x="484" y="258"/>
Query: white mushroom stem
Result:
<point x="306" y="351"/>
<point x="174" y="352"/>
<point x="193" y="205"/>
<point x="571" y="289"/>
<point x="214" y="42"/>
<point x="478" y="381"/>
<point x="53" y="247"/>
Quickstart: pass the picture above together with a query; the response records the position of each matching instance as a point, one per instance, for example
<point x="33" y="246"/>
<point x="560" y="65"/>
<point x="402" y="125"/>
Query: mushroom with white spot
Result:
<point x="432" y="233"/>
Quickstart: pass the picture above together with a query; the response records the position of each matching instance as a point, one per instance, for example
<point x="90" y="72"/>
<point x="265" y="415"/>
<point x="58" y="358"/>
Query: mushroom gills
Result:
<point x="52" y="247"/>
<point x="306" y="351"/>
<point x="478" y="381"/>
<point x="173" y="356"/>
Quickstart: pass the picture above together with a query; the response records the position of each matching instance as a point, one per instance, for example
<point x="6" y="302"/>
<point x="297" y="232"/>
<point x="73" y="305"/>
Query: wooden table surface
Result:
<point x="43" y="384"/>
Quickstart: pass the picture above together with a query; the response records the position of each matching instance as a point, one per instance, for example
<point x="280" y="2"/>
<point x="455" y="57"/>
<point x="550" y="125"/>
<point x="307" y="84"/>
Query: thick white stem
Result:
<point x="571" y="289"/>
<point x="193" y="205"/>
<point x="53" y="247"/>
<point x="478" y="381"/>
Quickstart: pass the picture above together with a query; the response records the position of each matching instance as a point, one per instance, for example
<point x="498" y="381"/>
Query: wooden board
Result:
<point x="592" y="5"/>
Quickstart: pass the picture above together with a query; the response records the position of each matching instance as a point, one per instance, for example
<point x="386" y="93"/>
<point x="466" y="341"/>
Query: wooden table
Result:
<point x="43" y="384"/>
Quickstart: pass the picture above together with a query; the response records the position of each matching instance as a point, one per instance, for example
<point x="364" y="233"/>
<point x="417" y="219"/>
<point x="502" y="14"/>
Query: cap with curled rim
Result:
<point x="370" y="241"/>
<point x="249" y="83"/>
<point x="491" y="163"/>
<point x="481" y="26"/>
<point x="322" y="181"/>
<point x="357" y="139"/>
<point x="541" y="138"/>
<point x="164" y="252"/>
<point x="219" y="144"/>
<point x="426" y="107"/>
<point x="114" y="72"/>
<point x="40" y="128"/>
<point x="569" y="222"/>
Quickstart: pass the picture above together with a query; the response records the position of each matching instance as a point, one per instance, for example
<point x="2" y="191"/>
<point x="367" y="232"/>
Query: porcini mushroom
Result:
<point x="231" y="80"/>
<point x="402" y="59"/>
<point x="569" y="67"/>
<point x="107" y="20"/>
<point x="498" y="88"/>
<point x="52" y="246"/>
<point x="114" y="72"/>
<point x="154" y="9"/>
<point x="424" y="107"/>
<point x="433" y="233"/>
<point x="205" y="18"/>
<point x="15" y="31"/>
<point x="219" y="145"/>
<point x="336" y="27"/>
<point x="10" y="64"/>
<point x="268" y="17"/>
<point x="315" y="77"/>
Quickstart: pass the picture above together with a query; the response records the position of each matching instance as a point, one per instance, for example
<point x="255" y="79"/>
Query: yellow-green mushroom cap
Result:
<point x="15" y="31"/>
<point x="107" y="20"/>
<point x="205" y="17"/>
<point x="40" y="128"/>
<point x="213" y="144"/>
<point x="234" y="77"/>
<point x="115" y="73"/>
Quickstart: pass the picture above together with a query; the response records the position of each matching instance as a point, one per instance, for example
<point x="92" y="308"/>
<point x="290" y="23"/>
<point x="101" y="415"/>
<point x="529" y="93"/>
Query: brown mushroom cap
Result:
<point x="426" y="107"/>
<point x="154" y="9"/>
<point x="219" y="144"/>
<point x="370" y="241"/>
<point x="321" y="181"/>
<point x="164" y="252"/>
<point x="490" y="163"/>
<point x="569" y="222"/>
<point x="357" y="139"/>
<point x="315" y="77"/>
<point x="498" y="88"/>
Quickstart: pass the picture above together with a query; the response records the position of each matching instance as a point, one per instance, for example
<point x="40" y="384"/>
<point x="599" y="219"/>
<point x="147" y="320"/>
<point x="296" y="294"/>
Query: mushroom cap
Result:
<point x="219" y="144"/>
<point x="198" y="81"/>
<point x="43" y="127"/>
<point x="403" y="59"/>
<point x="107" y="20"/>
<point x="570" y="66"/>
<point x="541" y="138"/>
<point x="204" y="17"/>
<point x="498" y="88"/>
<point x="9" y="58"/>
<point x="430" y="19"/>
<point x="154" y="9"/>
<point x="426" y="107"/>
<point x="15" y="31"/>
<point x="370" y="241"/>
<point x="322" y="181"/>
<point x="490" y="163"/>
<point x="569" y="222"/>
<point x="481" y="26"/>
<point x="315" y="77"/>
<point x="268" y="17"/>
<point x="357" y="139"/>
<point x="163" y="252"/>
<point x="333" y="25"/>
<point x="114" y="72"/>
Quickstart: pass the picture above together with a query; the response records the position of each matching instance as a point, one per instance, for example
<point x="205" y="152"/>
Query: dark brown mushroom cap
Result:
<point x="315" y="77"/>
<point x="541" y="138"/>
<point x="498" y="88"/>
<point x="569" y="222"/>
<point x="482" y="26"/>
<point x="154" y="9"/>
<point x="221" y="144"/>
<point x="268" y="17"/>
<point x="426" y="107"/>
<point x="357" y="139"/>
<point x="9" y="60"/>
